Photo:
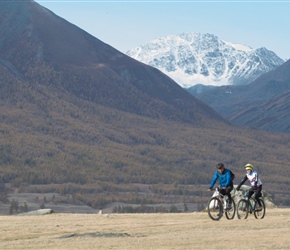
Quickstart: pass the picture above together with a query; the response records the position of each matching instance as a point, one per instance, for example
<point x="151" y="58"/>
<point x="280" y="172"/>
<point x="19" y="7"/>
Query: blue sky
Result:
<point x="128" y="24"/>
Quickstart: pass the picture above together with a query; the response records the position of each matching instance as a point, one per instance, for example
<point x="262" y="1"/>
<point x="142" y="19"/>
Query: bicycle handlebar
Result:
<point x="215" y="189"/>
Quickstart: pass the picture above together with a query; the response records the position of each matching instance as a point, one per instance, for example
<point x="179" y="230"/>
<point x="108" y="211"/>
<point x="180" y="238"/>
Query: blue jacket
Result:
<point x="225" y="178"/>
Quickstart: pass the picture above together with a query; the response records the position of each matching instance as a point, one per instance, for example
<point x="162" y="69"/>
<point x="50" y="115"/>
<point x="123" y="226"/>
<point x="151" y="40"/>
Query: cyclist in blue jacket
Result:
<point x="225" y="180"/>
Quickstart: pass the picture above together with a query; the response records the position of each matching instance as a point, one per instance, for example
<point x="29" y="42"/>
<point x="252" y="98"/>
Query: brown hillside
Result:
<point x="79" y="118"/>
<point x="48" y="50"/>
<point x="261" y="104"/>
<point x="271" y="115"/>
<point x="51" y="142"/>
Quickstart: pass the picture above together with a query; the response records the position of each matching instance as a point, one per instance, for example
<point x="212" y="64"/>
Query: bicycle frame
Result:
<point x="217" y="206"/>
<point x="251" y="202"/>
<point x="248" y="205"/>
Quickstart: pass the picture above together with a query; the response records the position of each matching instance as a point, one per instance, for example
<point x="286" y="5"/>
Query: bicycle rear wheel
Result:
<point x="215" y="208"/>
<point x="242" y="209"/>
<point x="261" y="213"/>
<point x="230" y="213"/>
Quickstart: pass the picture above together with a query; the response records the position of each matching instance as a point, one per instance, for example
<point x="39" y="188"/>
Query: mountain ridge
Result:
<point x="256" y="105"/>
<point x="195" y="58"/>
<point x="271" y="115"/>
<point x="100" y="127"/>
<point x="47" y="49"/>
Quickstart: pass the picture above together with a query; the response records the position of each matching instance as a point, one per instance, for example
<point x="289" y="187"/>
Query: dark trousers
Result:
<point x="258" y="193"/>
<point x="227" y="192"/>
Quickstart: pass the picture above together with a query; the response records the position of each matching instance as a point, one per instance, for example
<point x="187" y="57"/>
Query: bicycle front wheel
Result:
<point x="215" y="208"/>
<point x="230" y="213"/>
<point x="242" y="209"/>
<point x="259" y="214"/>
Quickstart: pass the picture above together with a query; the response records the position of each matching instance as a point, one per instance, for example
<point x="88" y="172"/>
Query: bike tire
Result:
<point x="242" y="209"/>
<point x="260" y="214"/>
<point x="230" y="214"/>
<point x="215" y="208"/>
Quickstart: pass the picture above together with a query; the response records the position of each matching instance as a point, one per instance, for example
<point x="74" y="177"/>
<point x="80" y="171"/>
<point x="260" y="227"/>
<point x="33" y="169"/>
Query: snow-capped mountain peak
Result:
<point x="194" y="58"/>
<point x="240" y="47"/>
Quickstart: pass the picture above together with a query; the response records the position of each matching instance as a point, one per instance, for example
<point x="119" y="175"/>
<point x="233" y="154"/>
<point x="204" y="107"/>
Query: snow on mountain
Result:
<point x="194" y="58"/>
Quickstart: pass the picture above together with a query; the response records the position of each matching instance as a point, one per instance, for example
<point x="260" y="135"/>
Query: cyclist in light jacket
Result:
<point x="256" y="183"/>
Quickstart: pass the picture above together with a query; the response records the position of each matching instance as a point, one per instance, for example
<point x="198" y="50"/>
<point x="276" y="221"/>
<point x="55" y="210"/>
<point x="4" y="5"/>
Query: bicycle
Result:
<point x="246" y="206"/>
<point x="217" y="206"/>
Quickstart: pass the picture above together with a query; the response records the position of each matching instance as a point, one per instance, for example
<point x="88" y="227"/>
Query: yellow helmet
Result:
<point x="249" y="166"/>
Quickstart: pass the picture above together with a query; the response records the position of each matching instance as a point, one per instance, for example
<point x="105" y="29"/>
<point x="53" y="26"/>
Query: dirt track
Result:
<point x="144" y="231"/>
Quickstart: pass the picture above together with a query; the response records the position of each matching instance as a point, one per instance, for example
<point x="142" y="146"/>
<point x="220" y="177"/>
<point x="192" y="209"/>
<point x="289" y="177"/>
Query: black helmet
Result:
<point x="220" y="165"/>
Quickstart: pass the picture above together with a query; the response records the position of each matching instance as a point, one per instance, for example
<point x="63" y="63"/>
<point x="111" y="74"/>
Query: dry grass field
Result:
<point x="144" y="231"/>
